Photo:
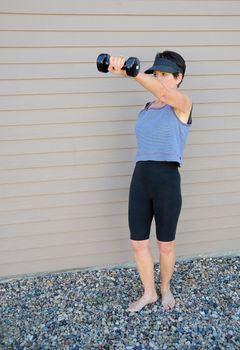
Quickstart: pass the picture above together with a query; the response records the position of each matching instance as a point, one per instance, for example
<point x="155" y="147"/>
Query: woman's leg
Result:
<point x="145" y="266"/>
<point x="167" y="206"/>
<point x="140" y="215"/>
<point x="167" y="261"/>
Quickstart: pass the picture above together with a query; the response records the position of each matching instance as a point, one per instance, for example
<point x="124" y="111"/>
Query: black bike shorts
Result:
<point x="155" y="191"/>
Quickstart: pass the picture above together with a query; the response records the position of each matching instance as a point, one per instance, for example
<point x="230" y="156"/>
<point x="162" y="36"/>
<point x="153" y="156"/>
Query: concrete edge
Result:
<point x="225" y="254"/>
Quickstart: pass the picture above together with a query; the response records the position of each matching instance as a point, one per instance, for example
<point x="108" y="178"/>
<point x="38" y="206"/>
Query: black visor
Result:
<point x="164" y="65"/>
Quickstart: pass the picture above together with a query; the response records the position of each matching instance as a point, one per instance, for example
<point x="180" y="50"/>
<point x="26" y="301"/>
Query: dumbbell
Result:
<point x="131" y="66"/>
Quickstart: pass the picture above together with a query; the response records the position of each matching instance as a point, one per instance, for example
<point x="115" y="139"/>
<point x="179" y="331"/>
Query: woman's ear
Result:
<point x="179" y="79"/>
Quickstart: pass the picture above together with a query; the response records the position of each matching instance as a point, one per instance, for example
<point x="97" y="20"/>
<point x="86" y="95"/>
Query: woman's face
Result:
<point x="168" y="79"/>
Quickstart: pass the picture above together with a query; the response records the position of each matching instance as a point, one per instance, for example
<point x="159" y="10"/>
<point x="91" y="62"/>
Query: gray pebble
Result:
<point x="86" y="310"/>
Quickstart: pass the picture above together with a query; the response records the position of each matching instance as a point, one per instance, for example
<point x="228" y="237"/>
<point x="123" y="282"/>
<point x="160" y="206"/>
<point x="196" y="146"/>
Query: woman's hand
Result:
<point x="116" y="64"/>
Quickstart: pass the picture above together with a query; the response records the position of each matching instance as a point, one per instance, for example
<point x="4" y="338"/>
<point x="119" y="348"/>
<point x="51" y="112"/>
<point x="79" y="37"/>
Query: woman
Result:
<point x="155" y="191"/>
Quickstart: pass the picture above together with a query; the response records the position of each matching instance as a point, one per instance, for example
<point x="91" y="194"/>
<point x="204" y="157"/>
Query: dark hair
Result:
<point x="176" y="58"/>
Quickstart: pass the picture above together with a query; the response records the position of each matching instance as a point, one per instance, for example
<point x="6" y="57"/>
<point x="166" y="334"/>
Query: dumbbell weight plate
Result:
<point x="132" y="66"/>
<point x="103" y="61"/>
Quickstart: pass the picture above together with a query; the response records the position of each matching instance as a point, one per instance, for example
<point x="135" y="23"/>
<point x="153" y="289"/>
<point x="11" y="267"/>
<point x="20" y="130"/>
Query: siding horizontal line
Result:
<point x="68" y="179"/>
<point x="62" y="257"/>
<point x="73" y="269"/>
<point x="110" y="46"/>
<point x="103" y="149"/>
<point x="66" y="193"/>
<point x="183" y="233"/>
<point x="94" y="77"/>
<point x="104" y="216"/>
<point x="70" y="137"/>
<point x="126" y="162"/>
<point x="114" y="14"/>
<point x="100" y="253"/>
<point x="210" y="74"/>
<point x="124" y="227"/>
<point x="126" y="202"/>
<point x="117" y="189"/>
<point x="79" y="122"/>
<point x="213" y="116"/>
<point x="63" y="166"/>
<point x="118" y="162"/>
<point x="70" y="219"/>
<point x="100" y="121"/>
<point x="200" y="117"/>
<point x="211" y="130"/>
<point x="209" y="194"/>
<point x="87" y="93"/>
<point x="108" y="92"/>
<point x="77" y="232"/>
<point x="117" y="31"/>
<point x="103" y="177"/>
<point x="132" y="162"/>
<point x="208" y="241"/>
<point x="115" y="149"/>
<point x="61" y="152"/>
<point x="82" y="122"/>
<point x="112" y="106"/>
<point x="120" y="15"/>
<point x="196" y="116"/>
<point x="212" y="169"/>
<point x="212" y="205"/>
<point x="101" y="77"/>
<point x="105" y="76"/>
<point x="122" y="149"/>
<point x="214" y="156"/>
<point x="104" y="121"/>
<point x="73" y="108"/>
<point x="70" y="206"/>
<point x="67" y="232"/>
<point x="79" y="108"/>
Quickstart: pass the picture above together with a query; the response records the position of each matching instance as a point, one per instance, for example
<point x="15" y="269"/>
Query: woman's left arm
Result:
<point x="173" y="97"/>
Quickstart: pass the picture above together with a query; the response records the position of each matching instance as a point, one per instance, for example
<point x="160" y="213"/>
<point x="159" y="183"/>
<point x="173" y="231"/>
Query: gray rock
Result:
<point x="86" y="310"/>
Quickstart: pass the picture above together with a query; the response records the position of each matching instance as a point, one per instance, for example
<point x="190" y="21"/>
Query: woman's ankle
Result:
<point x="150" y="293"/>
<point x="165" y="287"/>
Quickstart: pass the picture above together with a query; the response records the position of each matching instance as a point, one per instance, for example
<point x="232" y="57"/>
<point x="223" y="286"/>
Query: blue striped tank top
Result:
<point x="161" y="135"/>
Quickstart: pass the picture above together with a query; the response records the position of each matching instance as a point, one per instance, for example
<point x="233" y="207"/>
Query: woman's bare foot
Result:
<point x="168" y="300"/>
<point x="140" y="303"/>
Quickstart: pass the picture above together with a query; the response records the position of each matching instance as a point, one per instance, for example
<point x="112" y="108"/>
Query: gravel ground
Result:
<point x="86" y="309"/>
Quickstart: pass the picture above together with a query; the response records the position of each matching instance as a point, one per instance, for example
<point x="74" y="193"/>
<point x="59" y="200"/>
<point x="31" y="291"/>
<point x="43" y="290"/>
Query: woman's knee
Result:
<point x="166" y="247"/>
<point x="139" y="246"/>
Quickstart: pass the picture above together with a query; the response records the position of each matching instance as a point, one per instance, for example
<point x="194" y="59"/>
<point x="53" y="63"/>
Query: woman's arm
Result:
<point x="173" y="97"/>
<point x="181" y="103"/>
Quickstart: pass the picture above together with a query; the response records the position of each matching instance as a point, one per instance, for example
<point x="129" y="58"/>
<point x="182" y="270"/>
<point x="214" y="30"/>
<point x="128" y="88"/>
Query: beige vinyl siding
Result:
<point x="67" y="131"/>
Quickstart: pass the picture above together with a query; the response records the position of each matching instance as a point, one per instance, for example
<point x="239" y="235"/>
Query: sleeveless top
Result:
<point x="160" y="134"/>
